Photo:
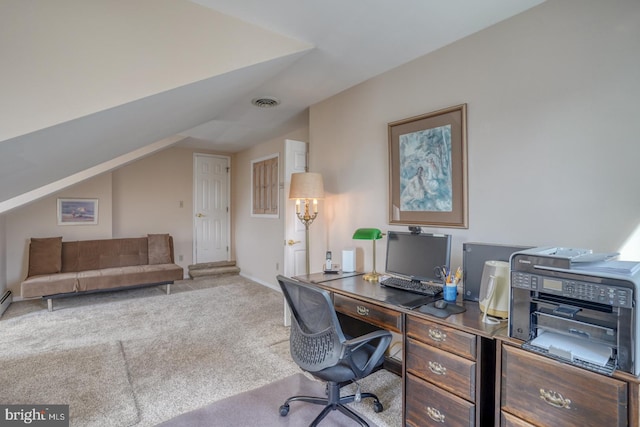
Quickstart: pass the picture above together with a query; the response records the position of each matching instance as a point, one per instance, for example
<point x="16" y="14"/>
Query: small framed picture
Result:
<point x="77" y="211"/>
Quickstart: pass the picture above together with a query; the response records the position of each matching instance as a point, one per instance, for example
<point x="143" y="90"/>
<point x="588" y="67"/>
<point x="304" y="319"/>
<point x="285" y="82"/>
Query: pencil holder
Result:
<point x="449" y="292"/>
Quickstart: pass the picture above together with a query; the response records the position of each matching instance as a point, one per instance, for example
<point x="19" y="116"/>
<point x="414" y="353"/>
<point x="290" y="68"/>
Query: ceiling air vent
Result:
<point x="265" y="101"/>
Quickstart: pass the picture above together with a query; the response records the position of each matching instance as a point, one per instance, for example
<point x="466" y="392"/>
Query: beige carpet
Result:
<point x="92" y="380"/>
<point x="208" y="340"/>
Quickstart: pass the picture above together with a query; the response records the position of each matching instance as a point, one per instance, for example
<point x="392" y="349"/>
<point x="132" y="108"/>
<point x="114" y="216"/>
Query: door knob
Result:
<point x="292" y="242"/>
<point x="199" y="215"/>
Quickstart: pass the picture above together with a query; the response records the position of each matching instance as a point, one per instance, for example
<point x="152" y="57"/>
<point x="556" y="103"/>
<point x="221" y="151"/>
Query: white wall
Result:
<point x="259" y="241"/>
<point x="552" y="132"/>
<point x="147" y="196"/>
<point x="3" y="254"/>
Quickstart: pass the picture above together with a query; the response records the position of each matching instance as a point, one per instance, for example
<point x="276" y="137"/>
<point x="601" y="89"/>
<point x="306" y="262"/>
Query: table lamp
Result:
<point x="369" y="234"/>
<point x="306" y="186"/>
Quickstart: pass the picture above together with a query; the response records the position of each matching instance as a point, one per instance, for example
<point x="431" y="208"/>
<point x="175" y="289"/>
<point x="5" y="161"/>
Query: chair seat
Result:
<point x="342" y="372"/>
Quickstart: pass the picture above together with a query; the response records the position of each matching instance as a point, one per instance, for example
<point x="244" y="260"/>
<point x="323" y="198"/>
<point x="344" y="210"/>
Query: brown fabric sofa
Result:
<point x="58" y="269"/>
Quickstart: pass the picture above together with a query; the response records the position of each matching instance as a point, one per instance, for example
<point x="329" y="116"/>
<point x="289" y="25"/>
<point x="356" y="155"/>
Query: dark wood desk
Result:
<point x="448" y="364"/>
<point x="458" y="371"/>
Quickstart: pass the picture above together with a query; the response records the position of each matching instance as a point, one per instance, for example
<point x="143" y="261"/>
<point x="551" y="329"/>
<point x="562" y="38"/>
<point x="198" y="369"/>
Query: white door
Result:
<point x="211" y="208"/>
<point x="295" y="252"/>
<point x="295" y="240"/>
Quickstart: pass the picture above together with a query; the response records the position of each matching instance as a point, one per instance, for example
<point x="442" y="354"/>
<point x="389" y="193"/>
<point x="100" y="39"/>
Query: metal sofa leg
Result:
<point x="50" y="304"/>
<point x="168" y="288"/>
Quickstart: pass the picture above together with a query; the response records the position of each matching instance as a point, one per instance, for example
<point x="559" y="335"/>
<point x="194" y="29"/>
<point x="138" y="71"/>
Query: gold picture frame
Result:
<point x="428" y="169"/>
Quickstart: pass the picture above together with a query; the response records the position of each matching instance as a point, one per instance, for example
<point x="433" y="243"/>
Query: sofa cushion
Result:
<point x="49" y="284"/>
<point x="45" y="256"/>
<point x="123" y="252"/>
<point x="89" y="252"/>
<point x="159" y="249"/>
<point x="110" y="278"/>
<point x="70" y="256"/>
<point x="87" y="255"/>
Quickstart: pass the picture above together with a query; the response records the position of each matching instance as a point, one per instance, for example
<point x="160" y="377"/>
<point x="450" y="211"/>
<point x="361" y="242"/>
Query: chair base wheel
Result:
<point x="284" y="410"/>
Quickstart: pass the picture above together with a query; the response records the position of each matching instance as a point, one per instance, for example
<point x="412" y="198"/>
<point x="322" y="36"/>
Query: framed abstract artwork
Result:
<point x="428" y="169"/>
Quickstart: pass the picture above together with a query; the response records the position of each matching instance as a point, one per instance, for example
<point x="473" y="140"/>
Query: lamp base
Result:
<point x="371" y="277"/>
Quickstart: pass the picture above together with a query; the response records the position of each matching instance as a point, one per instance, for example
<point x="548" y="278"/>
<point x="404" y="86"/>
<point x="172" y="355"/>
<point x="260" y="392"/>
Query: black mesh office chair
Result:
<point x="319" y="347"/>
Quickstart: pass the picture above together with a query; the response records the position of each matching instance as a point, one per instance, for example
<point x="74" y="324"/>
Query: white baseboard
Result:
<point x="262" y="282"/>
<point x="286" y="313"/>
<point x="18" y="298"/>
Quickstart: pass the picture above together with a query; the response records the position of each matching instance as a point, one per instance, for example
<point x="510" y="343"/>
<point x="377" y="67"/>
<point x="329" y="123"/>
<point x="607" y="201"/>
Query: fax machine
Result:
<point x="576" y="306"/>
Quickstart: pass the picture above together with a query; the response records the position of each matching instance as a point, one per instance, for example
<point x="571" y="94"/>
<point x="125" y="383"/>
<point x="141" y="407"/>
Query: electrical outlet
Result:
<point x="277" y="266"/>
<point x="181" y="203"/>
<point x="180" y="257"/>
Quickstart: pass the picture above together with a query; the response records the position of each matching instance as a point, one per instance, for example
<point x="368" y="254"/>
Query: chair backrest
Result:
<point x="316" y="336"/>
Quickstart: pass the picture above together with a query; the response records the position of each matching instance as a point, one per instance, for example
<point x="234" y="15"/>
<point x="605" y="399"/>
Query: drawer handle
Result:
<point x="554" y="399"/>
<point x="362" y="311"/>
<point x="437" y="368"/>
<point x="437" y="335"/>
<point x="435" y="415"/>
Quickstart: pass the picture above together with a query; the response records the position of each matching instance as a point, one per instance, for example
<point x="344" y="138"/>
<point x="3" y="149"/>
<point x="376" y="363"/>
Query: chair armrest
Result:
<point x="357" y="342"/>
<point x="354" y="344"/>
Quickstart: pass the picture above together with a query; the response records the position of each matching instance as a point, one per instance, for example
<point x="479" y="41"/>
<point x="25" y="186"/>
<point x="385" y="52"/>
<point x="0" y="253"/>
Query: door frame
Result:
<point x="193" y="205"/>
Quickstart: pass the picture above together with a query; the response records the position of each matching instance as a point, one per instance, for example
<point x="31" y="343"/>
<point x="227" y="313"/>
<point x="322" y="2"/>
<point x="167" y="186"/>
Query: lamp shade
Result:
<point x="306" y="185"/>
<point x="367" y="234"/>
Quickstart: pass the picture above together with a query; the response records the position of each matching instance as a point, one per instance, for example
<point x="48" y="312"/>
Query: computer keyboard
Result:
<point x="412" y="286"/>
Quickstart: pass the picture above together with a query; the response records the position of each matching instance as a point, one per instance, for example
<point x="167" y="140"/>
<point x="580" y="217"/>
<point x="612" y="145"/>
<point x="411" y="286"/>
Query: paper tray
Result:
<point x="573" y="348"/>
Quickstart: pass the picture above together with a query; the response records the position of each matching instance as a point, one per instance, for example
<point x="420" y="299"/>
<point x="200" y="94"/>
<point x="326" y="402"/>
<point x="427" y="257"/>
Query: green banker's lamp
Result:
<point x="369" y="234"/>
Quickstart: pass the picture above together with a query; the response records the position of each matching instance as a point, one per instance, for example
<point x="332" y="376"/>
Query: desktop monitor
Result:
<point x="474" y="255"/>
<point x="418" y="257"/>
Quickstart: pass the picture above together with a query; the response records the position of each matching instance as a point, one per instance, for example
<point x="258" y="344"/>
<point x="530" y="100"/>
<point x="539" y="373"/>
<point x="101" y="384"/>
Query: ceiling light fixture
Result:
<point x="265" y="101"/>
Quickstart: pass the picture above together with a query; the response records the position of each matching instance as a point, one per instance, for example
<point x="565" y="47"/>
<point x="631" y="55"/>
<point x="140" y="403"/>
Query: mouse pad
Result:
<point x="441" y="312"/>
<point x="410" y="301"/>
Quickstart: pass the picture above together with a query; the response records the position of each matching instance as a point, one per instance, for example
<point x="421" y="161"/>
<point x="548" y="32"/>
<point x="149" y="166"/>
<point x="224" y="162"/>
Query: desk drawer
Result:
<point x="508" y="420"/>
<point x="443" y="337"/>
<point x="448" y="371"/>
<point x="371" y="313"/>
<point x="428" y="405"/>
<point x="543" y="391"/>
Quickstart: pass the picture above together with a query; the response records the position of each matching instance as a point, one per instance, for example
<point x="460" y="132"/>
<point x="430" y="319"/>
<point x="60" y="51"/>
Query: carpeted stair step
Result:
<point x="213" y="269"/>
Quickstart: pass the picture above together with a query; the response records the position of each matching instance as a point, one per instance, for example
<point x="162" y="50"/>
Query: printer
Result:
<point x="576" y="306"/>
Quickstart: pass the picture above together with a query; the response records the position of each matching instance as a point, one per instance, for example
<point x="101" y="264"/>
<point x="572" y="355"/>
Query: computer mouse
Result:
<point x="440" y="304"/>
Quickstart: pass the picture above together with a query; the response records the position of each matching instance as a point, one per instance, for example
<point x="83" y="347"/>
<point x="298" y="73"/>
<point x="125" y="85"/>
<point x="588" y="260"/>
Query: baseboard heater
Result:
<point x="5" y="301"/>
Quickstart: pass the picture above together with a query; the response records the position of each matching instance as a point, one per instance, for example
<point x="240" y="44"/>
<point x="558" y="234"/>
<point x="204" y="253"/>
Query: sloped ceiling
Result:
<point x="84" y="83"/>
